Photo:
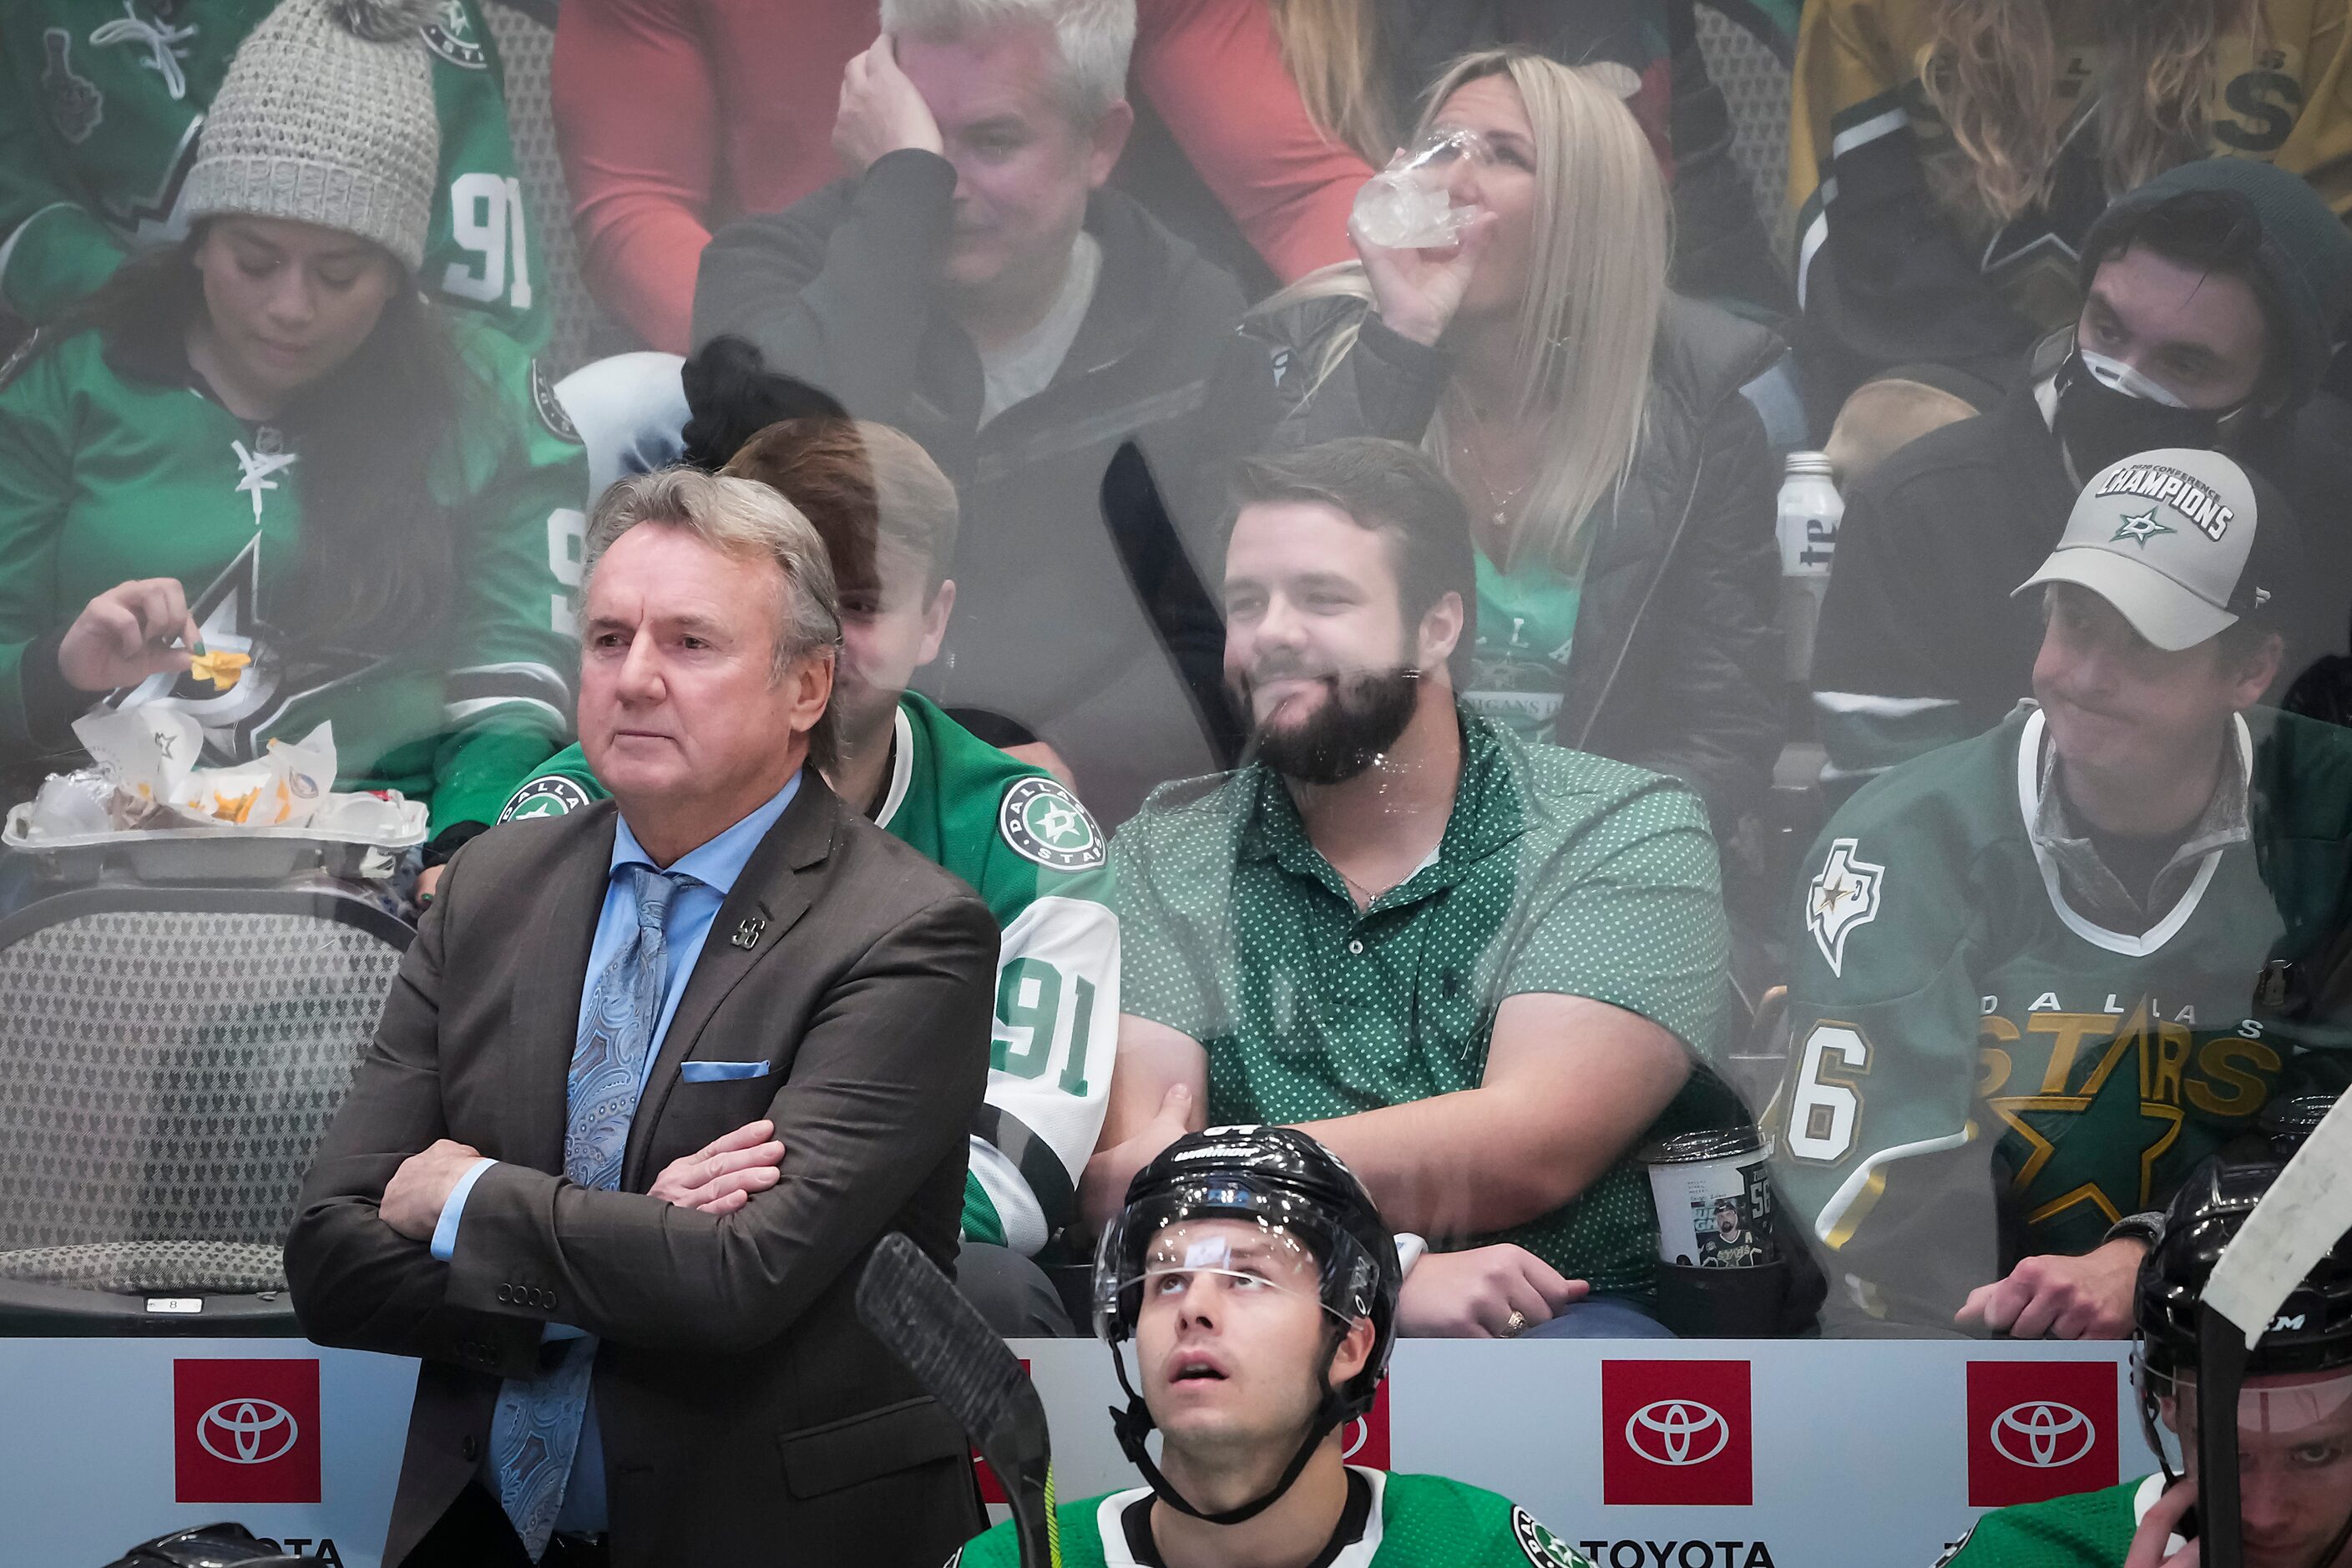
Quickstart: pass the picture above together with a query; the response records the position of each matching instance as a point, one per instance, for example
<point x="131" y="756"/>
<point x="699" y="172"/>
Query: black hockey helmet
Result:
<point x="1297" y="1192"/>
<point x="2193" y="1357"/>
<point x="2287" y="1121"/>
<point x="2312" y="1332"/>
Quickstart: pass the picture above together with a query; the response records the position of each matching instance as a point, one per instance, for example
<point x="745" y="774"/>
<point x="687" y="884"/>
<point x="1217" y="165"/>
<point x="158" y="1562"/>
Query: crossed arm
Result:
<point x="1569" y="1084"/>
<point x="881" y="1088"/>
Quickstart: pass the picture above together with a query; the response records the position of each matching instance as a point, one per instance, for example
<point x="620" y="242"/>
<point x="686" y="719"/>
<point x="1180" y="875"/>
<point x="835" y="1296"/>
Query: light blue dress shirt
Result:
<point x="713" y="868"/>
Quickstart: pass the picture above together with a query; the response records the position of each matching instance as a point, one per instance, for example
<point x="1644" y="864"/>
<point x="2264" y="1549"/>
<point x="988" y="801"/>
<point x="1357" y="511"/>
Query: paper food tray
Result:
<point x="239" y="854"/>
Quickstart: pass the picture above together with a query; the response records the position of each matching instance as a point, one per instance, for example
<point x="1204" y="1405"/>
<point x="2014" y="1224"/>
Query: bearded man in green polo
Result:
<point x="1475" y="969"/>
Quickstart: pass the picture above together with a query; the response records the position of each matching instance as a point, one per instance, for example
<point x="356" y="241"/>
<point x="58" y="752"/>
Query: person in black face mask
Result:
<point x="2211" y="299"/>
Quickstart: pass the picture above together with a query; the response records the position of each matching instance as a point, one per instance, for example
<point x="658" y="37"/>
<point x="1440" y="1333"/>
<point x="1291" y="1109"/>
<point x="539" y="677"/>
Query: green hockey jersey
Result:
<point x="100" y="105"/>
<point x="1978" y="1071"/>
<point x="2085" y="1529"/>
<point x="116" y="463"/>
<point x="1416" y="1521"/>
<point x="1035" y="856"/>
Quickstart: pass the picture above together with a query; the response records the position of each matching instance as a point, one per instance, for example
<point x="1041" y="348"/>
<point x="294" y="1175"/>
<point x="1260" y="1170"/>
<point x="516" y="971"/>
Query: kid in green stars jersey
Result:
<point x="1258" y="1285"/>
<point x="1018" y="836"/>
<point x="267" y="441"/>
<point x="101" y="106"/>
<point x="2041" y="973"/>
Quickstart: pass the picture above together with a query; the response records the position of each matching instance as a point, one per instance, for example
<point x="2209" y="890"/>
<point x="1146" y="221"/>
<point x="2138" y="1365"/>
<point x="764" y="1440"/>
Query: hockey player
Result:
<point x="267" y="441"/>
<point x="2294" y="1415"/>
<point x="1259" y="1286"/>
<point x="2041" y="973"/>
<point x="888" y="517"/>
<point x="101" y="106"/>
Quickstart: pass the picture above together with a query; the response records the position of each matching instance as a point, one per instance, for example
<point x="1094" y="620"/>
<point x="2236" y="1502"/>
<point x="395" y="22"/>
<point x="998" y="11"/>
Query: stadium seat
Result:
<point x="169" y="1060"/>
<point x="1754" y="82"/>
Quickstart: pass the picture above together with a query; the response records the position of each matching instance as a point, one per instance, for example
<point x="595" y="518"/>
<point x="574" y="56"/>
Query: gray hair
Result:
<point x="746" y="519"/>
<point x="1095" y="38"/>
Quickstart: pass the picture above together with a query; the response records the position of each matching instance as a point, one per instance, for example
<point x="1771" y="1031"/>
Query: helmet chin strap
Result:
<point x="1135" y="1423"/>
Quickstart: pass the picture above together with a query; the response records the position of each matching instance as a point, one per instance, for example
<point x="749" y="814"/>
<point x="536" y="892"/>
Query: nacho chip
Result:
<point x="219" y="666"/>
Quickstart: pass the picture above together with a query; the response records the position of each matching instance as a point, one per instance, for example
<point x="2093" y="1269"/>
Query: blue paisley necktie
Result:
<point x="536" y="1428"/>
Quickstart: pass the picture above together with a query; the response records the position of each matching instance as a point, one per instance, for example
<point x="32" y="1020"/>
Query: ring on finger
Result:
<point x="1515" y="1325"/>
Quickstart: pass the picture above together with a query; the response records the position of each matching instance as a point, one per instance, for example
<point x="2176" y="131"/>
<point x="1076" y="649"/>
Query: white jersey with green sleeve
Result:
<point x="1038" y="859"/>
<point x="1416" y="1521"/>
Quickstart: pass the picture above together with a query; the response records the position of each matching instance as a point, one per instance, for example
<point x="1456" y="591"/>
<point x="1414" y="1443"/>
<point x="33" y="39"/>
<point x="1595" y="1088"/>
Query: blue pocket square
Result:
<point x="721" y="1072"/>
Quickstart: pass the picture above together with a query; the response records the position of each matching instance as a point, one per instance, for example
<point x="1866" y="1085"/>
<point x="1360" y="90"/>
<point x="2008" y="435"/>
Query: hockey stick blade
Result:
<point x="908" y="1304"/>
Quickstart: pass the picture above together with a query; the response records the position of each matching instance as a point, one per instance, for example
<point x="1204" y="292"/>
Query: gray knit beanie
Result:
<point x="326" y="116"/>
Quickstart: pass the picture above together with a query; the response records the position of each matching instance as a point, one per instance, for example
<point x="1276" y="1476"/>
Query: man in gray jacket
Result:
<point x="974" y="285"/>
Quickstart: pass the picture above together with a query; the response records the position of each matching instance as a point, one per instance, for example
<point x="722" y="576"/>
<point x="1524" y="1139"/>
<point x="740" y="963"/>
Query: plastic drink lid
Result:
<point x="1708" y="1143"/>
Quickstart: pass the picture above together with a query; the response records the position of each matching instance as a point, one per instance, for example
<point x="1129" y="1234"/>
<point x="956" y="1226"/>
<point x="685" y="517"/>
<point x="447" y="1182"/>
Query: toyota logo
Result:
<point x="1676" y="1432"/>
<point x="2042" y="1435"/>
<point x="247" y="1431"/>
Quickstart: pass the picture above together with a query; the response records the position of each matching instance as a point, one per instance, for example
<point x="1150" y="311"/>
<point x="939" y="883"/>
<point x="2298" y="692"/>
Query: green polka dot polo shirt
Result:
<point x="1558" y="873"/>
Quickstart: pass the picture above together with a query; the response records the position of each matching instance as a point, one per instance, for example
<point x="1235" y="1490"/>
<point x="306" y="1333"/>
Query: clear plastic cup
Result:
<point x="1409" y="205"/>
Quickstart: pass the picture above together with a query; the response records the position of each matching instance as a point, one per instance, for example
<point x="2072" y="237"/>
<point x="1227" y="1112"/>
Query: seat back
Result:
<point x="170" y="1058"/>
<point x="1755" y="84"/>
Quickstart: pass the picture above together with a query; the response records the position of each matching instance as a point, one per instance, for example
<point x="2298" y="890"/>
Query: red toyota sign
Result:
<point x="1676" y="1434"/>
<point x="1365" y="1440"/>
<point x="245" y="1431"/>
<point x="2040" y="1429"/>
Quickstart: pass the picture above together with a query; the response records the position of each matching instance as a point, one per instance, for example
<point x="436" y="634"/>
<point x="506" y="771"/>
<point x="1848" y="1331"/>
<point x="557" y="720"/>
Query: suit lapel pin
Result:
<point x="747" y="933"/>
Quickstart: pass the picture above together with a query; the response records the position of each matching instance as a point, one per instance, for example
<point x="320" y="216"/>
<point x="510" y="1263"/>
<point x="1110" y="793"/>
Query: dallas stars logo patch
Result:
<point x="1044" y="823"/>
<point x="550" y="407"/>
<point x="553" y="795"/>
<point x="2139" y="530"/>
<point x="1544" y="1549"/>
<point x="1844" y="895"/>
<point x="451" y="35"/>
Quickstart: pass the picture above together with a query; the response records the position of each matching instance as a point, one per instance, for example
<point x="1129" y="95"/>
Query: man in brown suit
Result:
<point x="653" y="1077"/>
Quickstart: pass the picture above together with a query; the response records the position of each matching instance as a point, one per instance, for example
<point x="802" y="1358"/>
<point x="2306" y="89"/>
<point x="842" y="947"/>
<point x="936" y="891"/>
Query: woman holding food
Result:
<point x="259" y="479"/>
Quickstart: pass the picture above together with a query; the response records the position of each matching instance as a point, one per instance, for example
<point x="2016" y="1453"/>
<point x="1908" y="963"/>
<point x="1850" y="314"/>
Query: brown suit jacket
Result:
<point x="746" y="1414"/>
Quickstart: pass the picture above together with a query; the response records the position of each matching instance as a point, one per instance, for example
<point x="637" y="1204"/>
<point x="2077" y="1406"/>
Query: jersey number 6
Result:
<point x="1822" y="1114"/>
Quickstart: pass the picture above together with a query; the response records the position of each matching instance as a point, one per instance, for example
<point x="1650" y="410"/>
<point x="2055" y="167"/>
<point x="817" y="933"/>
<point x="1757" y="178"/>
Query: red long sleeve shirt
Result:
<point x="678" y="115"/>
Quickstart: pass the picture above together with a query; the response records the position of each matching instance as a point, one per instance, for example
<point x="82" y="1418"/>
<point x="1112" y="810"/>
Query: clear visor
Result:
<point x="2291" y="1424"/>
<point x="1226" y="1256"/>
<point x="1233" y="1256"/>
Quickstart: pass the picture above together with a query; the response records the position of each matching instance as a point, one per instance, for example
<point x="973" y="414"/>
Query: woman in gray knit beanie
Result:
<point x="365" y="496"/>
<point x="321" y="148"/>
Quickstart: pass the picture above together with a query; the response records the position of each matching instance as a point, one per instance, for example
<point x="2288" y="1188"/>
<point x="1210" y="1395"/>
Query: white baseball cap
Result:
<point x="2169" y="538"/>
